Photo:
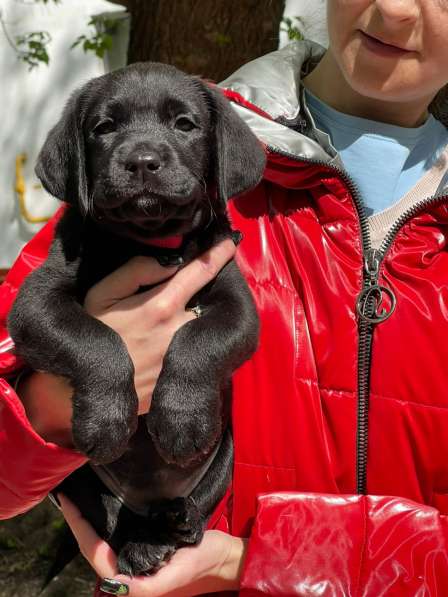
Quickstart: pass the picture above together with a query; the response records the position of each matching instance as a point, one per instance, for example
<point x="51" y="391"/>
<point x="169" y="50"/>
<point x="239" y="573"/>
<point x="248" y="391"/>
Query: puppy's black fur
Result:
<point x="143" y="153"/>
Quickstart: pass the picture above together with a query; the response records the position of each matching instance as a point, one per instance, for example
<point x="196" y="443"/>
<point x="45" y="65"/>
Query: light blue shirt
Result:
<point x="384" y="160"/>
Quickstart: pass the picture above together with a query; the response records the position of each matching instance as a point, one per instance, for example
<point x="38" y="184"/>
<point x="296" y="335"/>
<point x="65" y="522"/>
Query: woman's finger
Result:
<point x="126" y="280"/>
<point x="96" y="551"/>
<point x="188" y="281"/>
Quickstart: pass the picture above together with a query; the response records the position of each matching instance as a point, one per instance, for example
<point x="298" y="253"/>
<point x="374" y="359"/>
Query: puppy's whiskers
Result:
<point x="90" y="207"/>
<point x="87" y="207"/>
<point x="203" y="183"/>
<point x="212" y="213"/>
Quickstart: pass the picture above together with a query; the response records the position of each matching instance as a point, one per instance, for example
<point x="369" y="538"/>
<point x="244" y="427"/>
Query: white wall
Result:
<point x="313" y="22"/>
<point x="32" y="101"/>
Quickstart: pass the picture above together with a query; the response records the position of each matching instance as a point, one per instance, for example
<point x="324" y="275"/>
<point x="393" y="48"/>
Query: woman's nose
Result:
<point x="395" y="12"/>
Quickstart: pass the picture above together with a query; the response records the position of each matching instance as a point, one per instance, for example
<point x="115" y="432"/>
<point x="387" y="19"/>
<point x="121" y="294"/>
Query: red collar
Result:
<point x="170" y="242"/>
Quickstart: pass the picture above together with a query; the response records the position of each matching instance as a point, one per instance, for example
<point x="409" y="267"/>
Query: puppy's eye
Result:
<point x="104" y="126"/>
<point x="184" y="124"/>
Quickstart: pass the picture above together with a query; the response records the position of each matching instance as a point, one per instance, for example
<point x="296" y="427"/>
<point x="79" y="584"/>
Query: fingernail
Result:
<point x="237" y="237"/>
<point x="169" y="260"/>
<point x="113" y="587"/>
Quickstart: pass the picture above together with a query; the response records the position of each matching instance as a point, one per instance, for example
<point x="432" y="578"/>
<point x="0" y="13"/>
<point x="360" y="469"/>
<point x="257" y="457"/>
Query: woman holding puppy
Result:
<point x="340" y="420"/>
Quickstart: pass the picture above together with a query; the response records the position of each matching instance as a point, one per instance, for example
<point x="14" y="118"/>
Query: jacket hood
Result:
<point x="272" y="83"/>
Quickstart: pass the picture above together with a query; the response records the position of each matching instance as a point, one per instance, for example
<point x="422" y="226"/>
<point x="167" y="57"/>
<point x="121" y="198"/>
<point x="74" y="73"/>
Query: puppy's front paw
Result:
<point x="171" y="524"/>
<point x="103" y="424"/>
<point x="180" y="519"/>
<point x="184" y="429"/>
<point x="141" y="557"/>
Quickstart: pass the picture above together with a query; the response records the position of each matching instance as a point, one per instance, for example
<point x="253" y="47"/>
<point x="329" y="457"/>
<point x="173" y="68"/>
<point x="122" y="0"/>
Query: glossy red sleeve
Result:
<point x="29" y="467"/>
<point x="343" y="545"/>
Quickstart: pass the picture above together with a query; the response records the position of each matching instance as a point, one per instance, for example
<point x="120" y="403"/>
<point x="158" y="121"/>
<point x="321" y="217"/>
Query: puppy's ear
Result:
<point x="239" y="156"/>
<point x="61" y="161"/>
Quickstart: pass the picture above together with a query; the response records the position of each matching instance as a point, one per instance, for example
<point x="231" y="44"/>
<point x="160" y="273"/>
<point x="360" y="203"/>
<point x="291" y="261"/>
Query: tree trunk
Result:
<point x="209" y="38"/>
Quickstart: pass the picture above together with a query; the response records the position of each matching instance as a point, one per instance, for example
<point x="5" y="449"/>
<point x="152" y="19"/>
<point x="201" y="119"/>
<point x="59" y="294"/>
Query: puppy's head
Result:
<point x="149" y="151"/>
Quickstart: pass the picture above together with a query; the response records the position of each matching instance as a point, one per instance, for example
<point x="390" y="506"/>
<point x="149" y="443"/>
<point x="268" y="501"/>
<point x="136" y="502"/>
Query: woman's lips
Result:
<point x="381" y="48"/>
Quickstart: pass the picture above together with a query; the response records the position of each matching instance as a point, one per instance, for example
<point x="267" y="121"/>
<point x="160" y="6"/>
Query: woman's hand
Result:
<point x="213" y="565"/>
<point x="146" y="322"/>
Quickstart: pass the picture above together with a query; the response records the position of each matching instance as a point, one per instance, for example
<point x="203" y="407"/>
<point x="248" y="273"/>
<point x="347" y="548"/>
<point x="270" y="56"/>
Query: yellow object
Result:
<point x="20" y="190"/>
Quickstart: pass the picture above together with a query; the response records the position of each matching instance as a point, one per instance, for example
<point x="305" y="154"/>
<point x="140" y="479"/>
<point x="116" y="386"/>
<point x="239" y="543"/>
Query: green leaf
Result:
<point x="101" y="39"/>
<point x="77" y="41"/>
<point x="292" y="30"/>
<point x="32" y="48"/>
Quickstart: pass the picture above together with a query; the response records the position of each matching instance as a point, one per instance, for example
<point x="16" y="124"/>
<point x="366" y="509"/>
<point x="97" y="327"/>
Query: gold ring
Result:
<point x="197" y="310"/>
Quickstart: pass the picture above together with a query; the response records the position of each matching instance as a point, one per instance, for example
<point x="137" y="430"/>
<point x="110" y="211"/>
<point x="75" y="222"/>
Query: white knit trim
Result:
<point x="381" y="222"/>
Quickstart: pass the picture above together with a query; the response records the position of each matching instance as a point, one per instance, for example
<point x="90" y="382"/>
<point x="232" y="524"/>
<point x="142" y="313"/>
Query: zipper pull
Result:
<point x="370" y="300"/>
<point x="372" y="264"/>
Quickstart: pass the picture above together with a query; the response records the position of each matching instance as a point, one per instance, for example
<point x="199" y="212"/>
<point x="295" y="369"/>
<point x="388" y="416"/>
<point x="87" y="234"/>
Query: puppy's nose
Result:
<point x="143" y="165"/>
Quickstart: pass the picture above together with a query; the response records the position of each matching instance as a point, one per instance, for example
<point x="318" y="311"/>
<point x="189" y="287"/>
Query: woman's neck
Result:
<point x="328" y="83"/>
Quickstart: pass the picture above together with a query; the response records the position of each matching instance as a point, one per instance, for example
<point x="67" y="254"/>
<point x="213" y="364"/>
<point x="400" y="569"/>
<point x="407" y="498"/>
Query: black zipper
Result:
<point x="372" y="264"/>
<point x="369" y="304"/>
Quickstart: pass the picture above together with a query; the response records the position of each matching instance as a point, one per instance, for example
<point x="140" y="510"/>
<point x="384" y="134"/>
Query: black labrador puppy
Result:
<point x="145" y="158"/>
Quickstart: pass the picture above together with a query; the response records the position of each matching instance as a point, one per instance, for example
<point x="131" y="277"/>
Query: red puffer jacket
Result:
<point x="340" y="421"/>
